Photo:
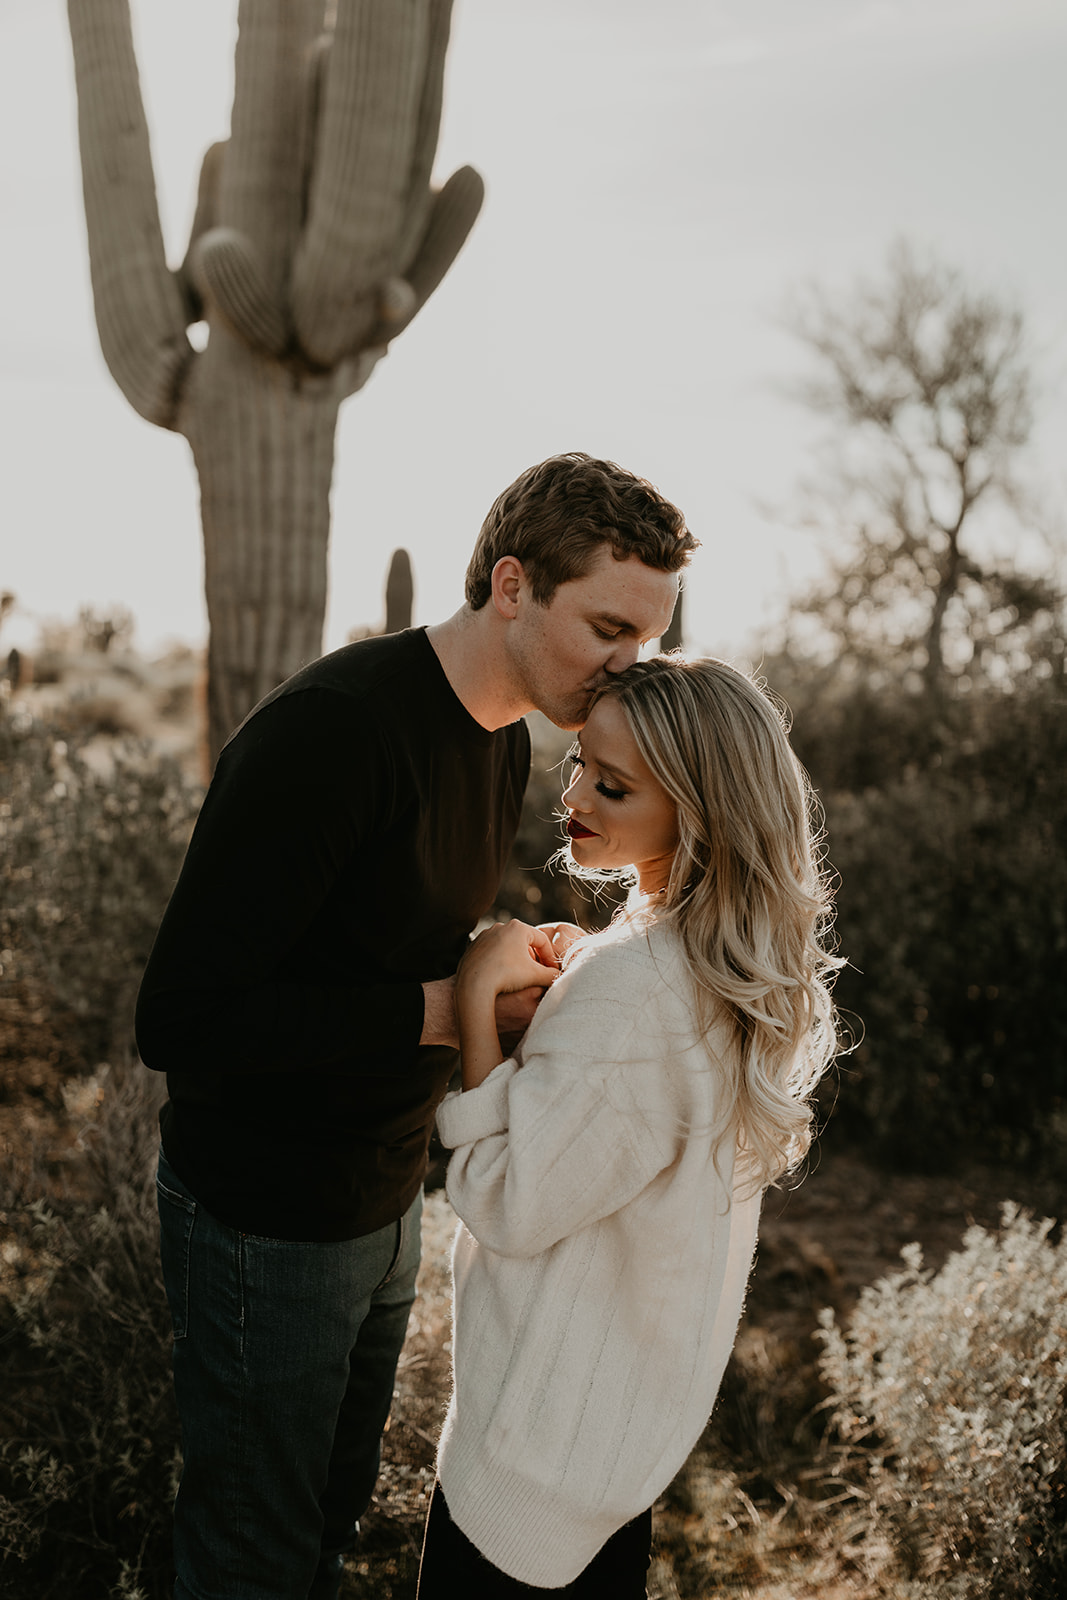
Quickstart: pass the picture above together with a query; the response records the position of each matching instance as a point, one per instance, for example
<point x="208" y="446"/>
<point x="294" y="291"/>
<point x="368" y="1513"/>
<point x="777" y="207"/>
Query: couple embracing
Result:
<point x="626" y="1096"/>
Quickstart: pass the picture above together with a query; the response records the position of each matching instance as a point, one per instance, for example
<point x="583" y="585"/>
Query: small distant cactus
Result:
<point x="399" y="593"/>
<point x="316" y="239"/>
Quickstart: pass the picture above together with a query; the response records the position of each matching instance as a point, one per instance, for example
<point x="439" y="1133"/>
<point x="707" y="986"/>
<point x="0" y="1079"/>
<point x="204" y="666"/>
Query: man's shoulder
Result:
<point x="390" y="689"/>
<point x="367" y="666"/>
<point x="350" y="680"/>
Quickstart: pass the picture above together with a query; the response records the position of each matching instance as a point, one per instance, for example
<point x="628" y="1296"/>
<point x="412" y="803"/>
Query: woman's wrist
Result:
<point x="475" y="993"/>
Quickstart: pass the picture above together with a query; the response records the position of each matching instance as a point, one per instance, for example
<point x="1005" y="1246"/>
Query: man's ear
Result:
<point x="509" y="584"/>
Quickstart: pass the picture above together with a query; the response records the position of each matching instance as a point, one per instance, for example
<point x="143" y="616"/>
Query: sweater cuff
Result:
<point x="464" y="1116"/>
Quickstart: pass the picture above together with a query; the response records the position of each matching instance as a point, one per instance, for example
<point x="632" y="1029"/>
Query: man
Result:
<point x="299" y="998"/>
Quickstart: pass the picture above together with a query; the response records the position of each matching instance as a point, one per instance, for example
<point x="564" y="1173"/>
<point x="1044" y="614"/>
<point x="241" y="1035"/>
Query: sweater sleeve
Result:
<point x="581" y="1129"/>
<point x="291" y="802"/>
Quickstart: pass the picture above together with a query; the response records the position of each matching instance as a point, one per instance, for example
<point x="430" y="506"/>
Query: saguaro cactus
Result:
<point x="399" y="592"/>
<point x="316" y="239"/>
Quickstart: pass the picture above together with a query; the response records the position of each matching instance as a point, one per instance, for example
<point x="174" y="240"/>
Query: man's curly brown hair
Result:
<point x="557" y="515"/>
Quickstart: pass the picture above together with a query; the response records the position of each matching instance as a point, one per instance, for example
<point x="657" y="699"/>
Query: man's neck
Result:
<point x="474" y="665"/>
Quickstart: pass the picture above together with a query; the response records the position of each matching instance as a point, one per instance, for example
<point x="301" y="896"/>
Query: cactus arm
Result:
<point x="317" y="67"/>
<point x="228" y="273"/>
<point x="353" y="371"/>
<point x="261" y="193"/>
<point x="360" y="180"/>
<point x="140" y="312"/>
<point x="205" y="217"/>
<point x="426" y="132"/>
<point x="453" y="213"/>
<point x="454" y="210"/>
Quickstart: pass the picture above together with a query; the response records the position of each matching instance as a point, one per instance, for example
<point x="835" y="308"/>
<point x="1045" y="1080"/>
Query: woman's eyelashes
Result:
<point x="600" y="786"/>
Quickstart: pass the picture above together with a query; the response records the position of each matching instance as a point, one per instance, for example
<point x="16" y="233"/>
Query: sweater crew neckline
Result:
<point x="469" y="727"/>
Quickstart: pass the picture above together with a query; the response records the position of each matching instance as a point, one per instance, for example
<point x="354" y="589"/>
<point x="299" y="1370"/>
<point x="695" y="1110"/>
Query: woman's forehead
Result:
<point x="607" y="737"/>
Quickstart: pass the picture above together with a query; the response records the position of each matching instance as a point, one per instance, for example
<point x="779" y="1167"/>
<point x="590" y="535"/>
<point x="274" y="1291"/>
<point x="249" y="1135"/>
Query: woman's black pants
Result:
<point x="452" y="1565"/>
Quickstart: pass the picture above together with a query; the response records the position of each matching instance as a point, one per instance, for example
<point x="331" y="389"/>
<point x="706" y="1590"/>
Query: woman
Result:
<point x="609" y="1175"/>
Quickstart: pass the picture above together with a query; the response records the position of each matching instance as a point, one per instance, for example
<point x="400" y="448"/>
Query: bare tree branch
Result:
<point x="928" y="387"/>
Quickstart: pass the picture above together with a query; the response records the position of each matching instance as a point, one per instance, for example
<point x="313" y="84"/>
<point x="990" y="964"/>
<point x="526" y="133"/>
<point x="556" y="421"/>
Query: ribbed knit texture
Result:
<point x="601" y="1266"/>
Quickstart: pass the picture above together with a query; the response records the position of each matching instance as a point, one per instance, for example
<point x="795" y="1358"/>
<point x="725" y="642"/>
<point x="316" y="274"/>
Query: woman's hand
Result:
<point x="505" y="959"/>
<point x="561" y="935"/>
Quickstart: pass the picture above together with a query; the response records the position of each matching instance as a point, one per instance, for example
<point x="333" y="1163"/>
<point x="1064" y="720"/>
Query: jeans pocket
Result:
<point x="408" y="1247"/>
<point x="177" y="1214"/>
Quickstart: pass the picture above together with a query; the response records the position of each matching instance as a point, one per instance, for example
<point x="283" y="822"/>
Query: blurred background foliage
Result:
<point x="947" y="835"/>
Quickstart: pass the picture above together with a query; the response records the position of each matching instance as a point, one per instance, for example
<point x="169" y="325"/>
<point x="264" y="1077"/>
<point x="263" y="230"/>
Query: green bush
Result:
<point x="89" y="1458"/>
<point x="946" y="829"/>
<point x="952" y="1388"/>
<point x="92" y="835"/>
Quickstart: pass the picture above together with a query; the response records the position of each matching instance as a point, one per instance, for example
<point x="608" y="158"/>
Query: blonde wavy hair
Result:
<point x="748" y="894"/>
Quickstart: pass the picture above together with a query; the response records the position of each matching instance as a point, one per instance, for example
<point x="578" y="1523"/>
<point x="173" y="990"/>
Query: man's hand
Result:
<point x="514" y="1010"/>
<point x="514" y="1013"/>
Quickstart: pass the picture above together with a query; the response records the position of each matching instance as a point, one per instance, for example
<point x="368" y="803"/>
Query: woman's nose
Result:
<point x="572" y="793"/>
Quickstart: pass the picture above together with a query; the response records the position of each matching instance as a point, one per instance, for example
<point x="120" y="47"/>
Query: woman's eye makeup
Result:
<point x="600" y="786"/>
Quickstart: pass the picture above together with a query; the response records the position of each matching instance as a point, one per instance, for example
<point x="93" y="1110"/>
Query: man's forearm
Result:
<point x="439" y="1025"/>
<point x="514" y="1013"/>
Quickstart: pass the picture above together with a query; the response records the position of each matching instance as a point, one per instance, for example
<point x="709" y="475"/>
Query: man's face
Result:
<point x="592" y="628"/>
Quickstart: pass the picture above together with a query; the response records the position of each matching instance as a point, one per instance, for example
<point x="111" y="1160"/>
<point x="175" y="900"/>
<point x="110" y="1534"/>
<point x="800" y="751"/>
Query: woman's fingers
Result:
<point x="541" y="947"/>
<point x="562" y="935"/>
<point x="513" y="956"/>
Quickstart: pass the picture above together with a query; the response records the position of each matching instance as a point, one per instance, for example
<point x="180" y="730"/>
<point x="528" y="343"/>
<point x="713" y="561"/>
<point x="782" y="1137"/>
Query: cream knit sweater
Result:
<point x="600" y="1266"/>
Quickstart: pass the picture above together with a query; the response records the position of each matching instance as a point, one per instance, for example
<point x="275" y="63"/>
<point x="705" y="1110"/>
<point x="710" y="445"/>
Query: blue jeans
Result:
<point x="284" y="1362"/>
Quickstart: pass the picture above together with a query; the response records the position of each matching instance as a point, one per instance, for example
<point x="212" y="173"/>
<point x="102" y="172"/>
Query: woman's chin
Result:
<point x="585" y="853"/>
<point x="581" y="854"/>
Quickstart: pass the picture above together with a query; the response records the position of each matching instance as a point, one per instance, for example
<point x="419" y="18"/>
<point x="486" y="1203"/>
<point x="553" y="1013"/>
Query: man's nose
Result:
<point x="624" y="655"/>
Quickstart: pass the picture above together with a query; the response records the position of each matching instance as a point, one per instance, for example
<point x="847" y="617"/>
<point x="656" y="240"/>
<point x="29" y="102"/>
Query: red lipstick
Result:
<point x="576" y="831"/>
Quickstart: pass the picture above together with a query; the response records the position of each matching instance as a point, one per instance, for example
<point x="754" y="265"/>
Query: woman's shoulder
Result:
<point x="633" y="958"/>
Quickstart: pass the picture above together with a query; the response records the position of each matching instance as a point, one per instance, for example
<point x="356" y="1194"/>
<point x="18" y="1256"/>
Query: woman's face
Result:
<point x="620" y="815"/>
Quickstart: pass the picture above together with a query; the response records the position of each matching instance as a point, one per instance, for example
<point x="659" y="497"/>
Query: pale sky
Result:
<point x="659" y="178"/>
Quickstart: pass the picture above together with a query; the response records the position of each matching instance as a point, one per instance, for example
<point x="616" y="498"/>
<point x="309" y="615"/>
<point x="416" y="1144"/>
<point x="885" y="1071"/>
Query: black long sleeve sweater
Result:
<point x="356" y="828"/>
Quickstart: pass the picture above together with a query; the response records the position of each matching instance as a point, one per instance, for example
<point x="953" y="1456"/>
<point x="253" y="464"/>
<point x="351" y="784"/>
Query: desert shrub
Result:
<point x="951" y="1387"/>
<point x="946" y="828"/>
<point x="89" y="1433"/>
<point x="92" y="837"/>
